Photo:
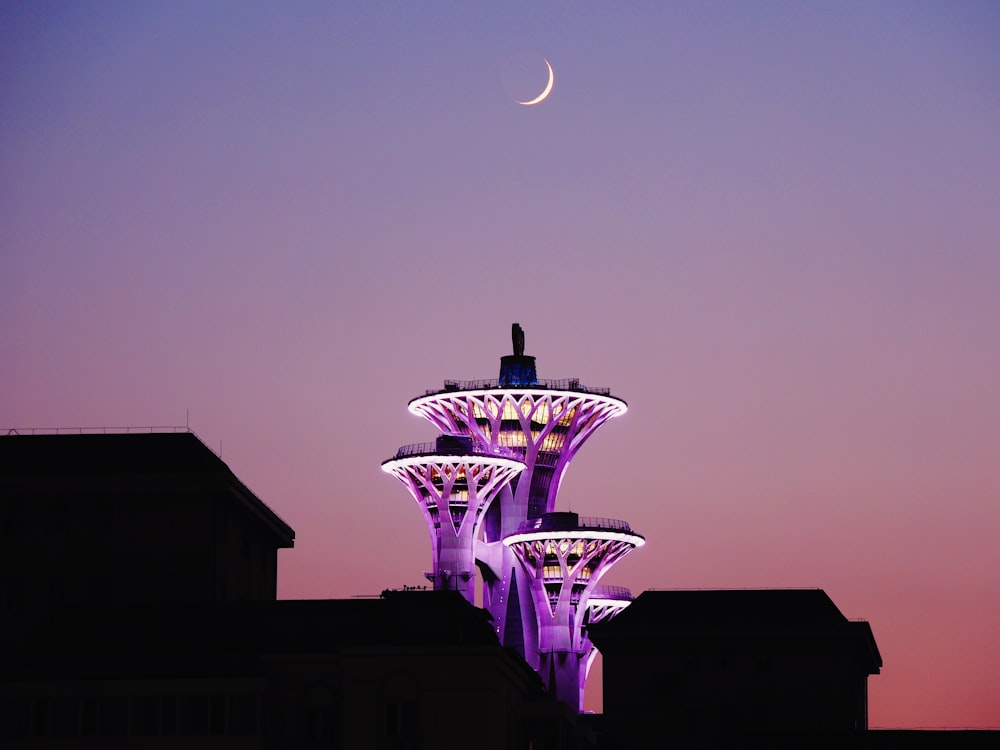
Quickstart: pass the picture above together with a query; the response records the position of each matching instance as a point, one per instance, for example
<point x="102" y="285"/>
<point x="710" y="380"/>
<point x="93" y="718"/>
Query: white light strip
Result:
<point x="500" y="393"/>
<point x="470" y="460"/>
<point x="570" y="534"/>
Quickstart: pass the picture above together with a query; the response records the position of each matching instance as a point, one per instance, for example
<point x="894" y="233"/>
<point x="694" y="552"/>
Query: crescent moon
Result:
<point x="546" y="91"/>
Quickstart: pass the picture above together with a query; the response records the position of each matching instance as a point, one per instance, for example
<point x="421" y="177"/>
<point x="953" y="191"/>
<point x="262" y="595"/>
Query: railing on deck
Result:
<point x="431" y="449"/>
<point x="567" y="384"/>
<point x="564" y="522"/>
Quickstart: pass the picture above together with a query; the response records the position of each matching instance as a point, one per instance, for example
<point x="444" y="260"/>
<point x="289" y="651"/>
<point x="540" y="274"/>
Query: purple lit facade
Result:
<point x="539" y="425"/>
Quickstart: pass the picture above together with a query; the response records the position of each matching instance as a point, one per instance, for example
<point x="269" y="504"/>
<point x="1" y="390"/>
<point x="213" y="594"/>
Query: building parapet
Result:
<point x="98" y="430"/>
<point x="566" y="384"/>
<point x="434" y="449"/>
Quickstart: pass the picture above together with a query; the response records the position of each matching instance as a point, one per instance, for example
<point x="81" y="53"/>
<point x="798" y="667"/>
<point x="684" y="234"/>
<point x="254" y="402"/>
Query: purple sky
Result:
<point x="774" y="229"/>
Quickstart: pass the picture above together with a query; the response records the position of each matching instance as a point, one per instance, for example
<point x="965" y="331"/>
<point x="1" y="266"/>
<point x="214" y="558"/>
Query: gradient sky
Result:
<point x="774" y="229"/>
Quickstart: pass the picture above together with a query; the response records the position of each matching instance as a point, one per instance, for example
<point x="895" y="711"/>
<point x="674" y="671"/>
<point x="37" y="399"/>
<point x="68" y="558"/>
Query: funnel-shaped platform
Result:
<point x="564" y="557"/>
<point x="453" y="485"/>
<point x="544" y="425"/>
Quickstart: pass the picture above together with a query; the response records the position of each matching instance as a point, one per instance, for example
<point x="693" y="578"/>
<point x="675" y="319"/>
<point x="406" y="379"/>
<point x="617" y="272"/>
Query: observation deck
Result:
<point x="568" y="384"/>
<point x="454" y="482"/>
<point x="570" y="525"/>
<point x="449" y="445"/>
<point x="544" y="423"/>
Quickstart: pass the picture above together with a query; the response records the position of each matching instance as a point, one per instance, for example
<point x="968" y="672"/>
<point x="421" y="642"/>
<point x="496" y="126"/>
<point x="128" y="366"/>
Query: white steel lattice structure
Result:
<point x="453" y="490"/>
<point x="564" y="557"/>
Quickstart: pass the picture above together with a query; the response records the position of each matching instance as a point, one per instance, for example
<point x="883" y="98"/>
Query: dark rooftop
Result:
<point x="100" y="453"/>
<point x="723" y="609"/>
<point x="425" y="618"/>
<point x="72" y="457"/>
<point x="736" y="612"/>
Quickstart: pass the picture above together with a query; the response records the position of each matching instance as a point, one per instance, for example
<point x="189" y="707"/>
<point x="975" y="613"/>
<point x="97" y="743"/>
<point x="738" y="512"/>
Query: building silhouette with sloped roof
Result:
<point x="735" y="661"/>
<point x="139" y="609"/>
<point x="128" y="518"/>
<point x="404" y="670"/>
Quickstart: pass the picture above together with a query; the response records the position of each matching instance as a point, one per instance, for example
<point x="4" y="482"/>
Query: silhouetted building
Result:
<point x="116" y="518"/>
<point x="708" y="663"/>
<point x="139" y="610"/>
<point x="407" y="670"/>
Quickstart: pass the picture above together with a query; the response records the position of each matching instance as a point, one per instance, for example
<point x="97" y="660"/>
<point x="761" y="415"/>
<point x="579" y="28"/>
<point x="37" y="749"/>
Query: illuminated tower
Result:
<point x="564" y="556"/>
<point x="544" y="423"/>
<point x="488" y="491"/>
<point x="453" y="484"/>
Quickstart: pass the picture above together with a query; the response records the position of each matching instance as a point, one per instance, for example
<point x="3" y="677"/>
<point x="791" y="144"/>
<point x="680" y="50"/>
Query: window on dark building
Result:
<point x="12" y="595"/>
<point x="692" y="664"/>
<point x="168" y="715"/>
<point x="13" y="519"/>
<point x="693" y="718"/>
<point x="114" y="716"/>
<point x="89" y="713"/>
<point x="195" y="718"/>
<point x="145" y="716"/>
<point x="401" y="719"/>
<point x="399" y="710"/>
<point x="40" y="717"/>
<point x="15" y="718"/>
<point x="244" y="711"/>
<point x="217" y="717"/>
<point x="322" y="718"/>
<point x="64" y="716"/>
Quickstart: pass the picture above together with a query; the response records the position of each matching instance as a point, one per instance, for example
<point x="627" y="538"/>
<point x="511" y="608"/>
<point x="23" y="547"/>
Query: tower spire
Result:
<point x="517" y="334"/>
<point x="516" y="368"/>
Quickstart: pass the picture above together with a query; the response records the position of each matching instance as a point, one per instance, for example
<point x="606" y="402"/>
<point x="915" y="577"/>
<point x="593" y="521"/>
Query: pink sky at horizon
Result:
<point x="772" y="230"/>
